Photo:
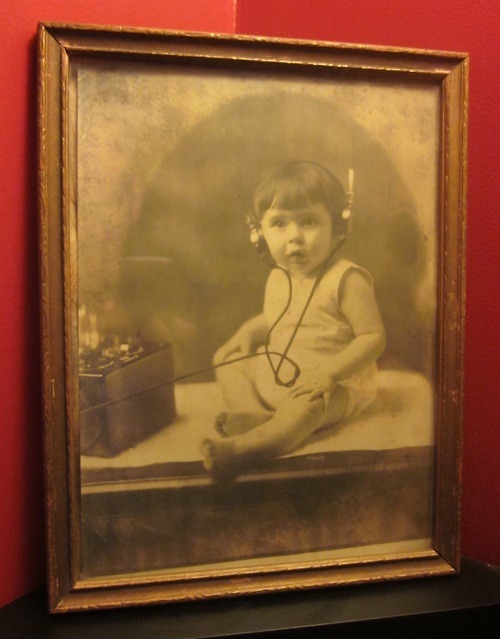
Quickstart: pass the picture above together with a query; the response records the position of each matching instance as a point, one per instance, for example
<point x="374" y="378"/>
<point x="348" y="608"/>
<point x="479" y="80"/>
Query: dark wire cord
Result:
<point x="186" y="376"/>
<point x="283" y="357"/>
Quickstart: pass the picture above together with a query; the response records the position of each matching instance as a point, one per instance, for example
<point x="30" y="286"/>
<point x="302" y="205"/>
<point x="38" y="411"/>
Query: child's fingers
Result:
<point x="323" y="394"/>
<point x="313" y="390"/>
<point x="304" y="389"/>
<point x="327" y="396"/>
<point x="315" y="393"/>
<point x="226" y="352"/>
<point x="245" y="347"/>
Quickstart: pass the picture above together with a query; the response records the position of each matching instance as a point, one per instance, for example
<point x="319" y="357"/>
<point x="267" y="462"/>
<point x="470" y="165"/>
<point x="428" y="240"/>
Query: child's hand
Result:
<point x="317" y="385"/>
<point x="250" y="334"/>
<point x="238" y="345"/>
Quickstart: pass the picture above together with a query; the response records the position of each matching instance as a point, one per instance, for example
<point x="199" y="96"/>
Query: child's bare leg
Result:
<point x="231" y="423"/>
<point x="292" y="424"/>
<point x="246" y="410"/>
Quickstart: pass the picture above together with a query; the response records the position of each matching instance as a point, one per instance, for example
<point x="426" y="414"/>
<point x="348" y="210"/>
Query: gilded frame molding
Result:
<point x="60" y="46"/>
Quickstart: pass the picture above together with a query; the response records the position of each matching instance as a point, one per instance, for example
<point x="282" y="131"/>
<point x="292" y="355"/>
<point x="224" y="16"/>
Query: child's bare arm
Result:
<point x="250" y="334"/>
<point x="360" y="308"/>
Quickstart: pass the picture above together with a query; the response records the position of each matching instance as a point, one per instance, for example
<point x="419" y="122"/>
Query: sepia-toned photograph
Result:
<point x="253" y="317"/>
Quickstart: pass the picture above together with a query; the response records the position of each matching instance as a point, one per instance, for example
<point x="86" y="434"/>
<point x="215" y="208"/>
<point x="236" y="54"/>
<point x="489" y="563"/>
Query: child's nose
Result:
<point x="294" y="232"/>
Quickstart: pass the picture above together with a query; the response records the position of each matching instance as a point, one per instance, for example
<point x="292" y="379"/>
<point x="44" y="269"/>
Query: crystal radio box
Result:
<point x="124" y="399"/>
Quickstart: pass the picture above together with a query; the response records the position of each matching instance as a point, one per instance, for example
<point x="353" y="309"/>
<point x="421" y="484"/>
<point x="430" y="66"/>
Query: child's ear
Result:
<point x="257" y="239"/>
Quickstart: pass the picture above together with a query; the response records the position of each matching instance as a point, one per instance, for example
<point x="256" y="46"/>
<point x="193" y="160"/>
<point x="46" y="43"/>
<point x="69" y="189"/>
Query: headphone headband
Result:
<point x="257" y="237"/>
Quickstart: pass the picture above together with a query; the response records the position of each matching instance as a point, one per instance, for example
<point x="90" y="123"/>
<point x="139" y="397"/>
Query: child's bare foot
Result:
<point x="230" y="423"/>
<point x="219" y="459"/>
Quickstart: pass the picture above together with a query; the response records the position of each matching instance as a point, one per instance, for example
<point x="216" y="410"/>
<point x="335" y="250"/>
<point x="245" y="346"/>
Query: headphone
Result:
<point x="257" y="239"/>
<point x="257" y="236"/>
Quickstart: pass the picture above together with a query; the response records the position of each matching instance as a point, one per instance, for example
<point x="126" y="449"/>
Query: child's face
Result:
<point x="299" y="240"/>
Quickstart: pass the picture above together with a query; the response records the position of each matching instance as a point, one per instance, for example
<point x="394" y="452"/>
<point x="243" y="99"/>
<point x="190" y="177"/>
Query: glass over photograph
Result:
<point x="256" y="316"/>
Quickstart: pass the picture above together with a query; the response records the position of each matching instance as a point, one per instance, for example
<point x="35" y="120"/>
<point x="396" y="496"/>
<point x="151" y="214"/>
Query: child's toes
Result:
<point x="208" y="452"/>
<point x="218" y="460"/>
<point x="220" y="422"/>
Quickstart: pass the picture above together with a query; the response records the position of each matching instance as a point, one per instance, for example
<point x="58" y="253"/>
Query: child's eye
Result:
<point x="278" y="223"/>
<point x="309" y="221"/>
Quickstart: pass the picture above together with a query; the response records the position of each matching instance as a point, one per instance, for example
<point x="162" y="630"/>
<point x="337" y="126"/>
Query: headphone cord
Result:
<point x="283" y="357"/>
<point x="181" y="378"/>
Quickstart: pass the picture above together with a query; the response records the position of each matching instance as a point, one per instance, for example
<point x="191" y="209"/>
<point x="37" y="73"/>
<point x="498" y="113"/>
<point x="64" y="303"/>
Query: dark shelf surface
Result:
<point x="467" y="603"/>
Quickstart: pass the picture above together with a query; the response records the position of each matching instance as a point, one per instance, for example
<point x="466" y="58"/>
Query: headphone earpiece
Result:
<point x="349" y="196"/>
<point x="257" y="239"/>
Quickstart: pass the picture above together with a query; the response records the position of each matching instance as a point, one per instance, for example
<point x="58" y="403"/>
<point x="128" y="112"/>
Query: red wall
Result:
<point x="435" y="24"/>
<point x="472" y="26"/>
<point x="22" y="562"/>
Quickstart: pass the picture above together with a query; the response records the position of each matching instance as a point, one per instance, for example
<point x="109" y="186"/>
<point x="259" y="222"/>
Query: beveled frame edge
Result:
<point x="52" y="330"/>
<point x="262" y="584"/>
<point x="451" y="296"/>
<point x="56" y="43"/>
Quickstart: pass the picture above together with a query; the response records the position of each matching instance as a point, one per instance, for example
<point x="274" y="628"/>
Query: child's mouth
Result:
<point x="296" y="256"/>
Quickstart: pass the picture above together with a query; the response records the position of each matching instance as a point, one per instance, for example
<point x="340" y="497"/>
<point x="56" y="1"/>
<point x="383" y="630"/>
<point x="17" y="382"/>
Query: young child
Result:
<point x="320" y="322"/>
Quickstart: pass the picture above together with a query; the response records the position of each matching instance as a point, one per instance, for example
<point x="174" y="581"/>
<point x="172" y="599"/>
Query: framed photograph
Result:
<point x="252" y="301"/>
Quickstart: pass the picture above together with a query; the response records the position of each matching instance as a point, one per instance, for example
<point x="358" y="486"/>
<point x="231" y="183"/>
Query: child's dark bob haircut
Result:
<point x="298" y="184"/>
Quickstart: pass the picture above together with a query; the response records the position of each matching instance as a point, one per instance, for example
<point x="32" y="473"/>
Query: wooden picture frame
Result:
<point x="151" y="144"/>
